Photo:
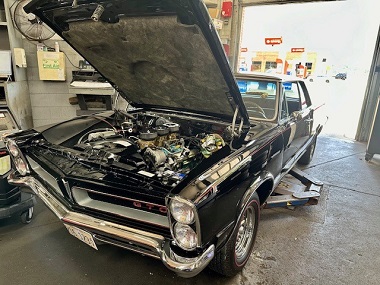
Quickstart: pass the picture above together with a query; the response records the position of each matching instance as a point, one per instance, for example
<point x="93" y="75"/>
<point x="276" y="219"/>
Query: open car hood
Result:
<point x="157" y="54"/>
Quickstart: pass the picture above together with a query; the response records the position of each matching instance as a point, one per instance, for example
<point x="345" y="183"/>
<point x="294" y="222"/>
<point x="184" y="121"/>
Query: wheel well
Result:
<point x="264" y="190"/>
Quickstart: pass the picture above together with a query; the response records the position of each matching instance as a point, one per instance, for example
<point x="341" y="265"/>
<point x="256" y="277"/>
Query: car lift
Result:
<point x="290" y="192"/>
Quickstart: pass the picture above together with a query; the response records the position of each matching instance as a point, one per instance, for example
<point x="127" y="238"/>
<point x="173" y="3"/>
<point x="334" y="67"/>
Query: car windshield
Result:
<point x="259" y="97"/>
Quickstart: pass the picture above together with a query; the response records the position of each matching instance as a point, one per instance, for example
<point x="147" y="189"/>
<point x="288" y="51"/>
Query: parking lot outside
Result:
<point x="341" y="101"/>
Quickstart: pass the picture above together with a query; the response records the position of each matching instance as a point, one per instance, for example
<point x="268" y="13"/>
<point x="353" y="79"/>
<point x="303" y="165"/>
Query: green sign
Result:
<point x="50" y="64"/>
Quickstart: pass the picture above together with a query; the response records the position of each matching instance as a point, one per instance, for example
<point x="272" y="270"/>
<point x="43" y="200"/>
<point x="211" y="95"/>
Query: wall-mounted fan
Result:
<point x="29" y="25"/>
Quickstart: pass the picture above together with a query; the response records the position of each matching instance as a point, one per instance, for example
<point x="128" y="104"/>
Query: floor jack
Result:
<point x="297" y="188"/>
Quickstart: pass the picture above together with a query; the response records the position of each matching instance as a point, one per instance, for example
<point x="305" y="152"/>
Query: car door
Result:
<point x="295" y="117"/>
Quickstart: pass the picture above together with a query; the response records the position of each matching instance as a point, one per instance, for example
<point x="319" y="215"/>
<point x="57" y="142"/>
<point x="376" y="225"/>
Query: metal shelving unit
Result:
<point x="14" y="90"/>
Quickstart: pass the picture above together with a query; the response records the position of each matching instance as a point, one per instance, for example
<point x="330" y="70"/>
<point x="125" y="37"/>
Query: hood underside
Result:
<point x="145" y="58"/>
<point x="171" y="58"/>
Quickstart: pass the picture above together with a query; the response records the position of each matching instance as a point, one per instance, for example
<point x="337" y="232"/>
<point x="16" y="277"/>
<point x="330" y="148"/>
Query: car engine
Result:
<point x="153" y="146"/>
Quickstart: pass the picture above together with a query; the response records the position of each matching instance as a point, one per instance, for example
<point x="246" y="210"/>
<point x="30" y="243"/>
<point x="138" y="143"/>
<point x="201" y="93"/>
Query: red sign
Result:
<point x="226" y="9"/>
<point x="297" y="49"/>
<point x="273" y="41"/>
<point x="243" y="49"/>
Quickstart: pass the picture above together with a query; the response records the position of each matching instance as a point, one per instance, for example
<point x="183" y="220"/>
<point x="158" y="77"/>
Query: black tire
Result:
<point x="26" y="216"/>
<point x="327" y="81"/>
<point x="307" y="157"/>
<point x="233" y="256"/>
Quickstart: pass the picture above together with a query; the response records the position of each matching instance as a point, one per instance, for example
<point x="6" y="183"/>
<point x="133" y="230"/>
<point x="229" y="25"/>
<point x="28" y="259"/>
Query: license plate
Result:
<point x="82" y="235"/>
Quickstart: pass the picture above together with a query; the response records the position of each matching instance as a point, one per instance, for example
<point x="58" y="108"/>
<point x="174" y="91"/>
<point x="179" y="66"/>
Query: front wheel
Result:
<point x="233" y="256"/>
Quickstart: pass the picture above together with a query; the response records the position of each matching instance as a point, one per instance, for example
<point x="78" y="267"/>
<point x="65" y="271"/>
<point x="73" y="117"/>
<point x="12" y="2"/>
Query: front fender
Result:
<point x="264" y="193"/>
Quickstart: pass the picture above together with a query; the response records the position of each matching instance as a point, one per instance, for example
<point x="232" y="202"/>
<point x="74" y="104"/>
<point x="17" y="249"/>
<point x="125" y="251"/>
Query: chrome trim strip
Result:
<point x="184" y="268"/>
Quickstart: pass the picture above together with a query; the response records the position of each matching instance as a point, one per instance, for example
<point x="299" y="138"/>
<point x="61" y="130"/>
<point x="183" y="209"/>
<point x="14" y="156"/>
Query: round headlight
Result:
<point x="181" y="211"/>
<point x="21" y="166"/>
<point x="185" y="236"/>
<point x="12" y="148"/>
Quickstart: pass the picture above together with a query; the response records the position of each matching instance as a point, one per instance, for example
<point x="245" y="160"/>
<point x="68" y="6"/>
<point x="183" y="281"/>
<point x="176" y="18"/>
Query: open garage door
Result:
<point x="331" y="43"/>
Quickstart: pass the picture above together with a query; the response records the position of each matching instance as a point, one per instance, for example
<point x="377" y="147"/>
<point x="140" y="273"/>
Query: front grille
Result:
<point x="118" y="206"/>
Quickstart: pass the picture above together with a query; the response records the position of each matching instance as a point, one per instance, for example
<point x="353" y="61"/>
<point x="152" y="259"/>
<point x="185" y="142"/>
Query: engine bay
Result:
<point x="163" y="148"/>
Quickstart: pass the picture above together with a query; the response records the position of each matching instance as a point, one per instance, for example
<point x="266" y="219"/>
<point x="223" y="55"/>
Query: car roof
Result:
<point x="268" y="76"/>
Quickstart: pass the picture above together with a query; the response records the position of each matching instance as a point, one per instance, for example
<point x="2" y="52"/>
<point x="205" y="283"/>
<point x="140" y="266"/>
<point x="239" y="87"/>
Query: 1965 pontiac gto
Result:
<point x="180" y="175"/>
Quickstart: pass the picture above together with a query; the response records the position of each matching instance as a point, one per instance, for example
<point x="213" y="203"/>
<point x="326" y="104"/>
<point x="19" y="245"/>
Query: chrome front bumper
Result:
<point x="157" y="245"/>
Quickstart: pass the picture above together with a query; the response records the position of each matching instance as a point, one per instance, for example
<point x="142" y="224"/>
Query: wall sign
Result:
<point x="51" y="65"/>
<point x="273" y="41"/>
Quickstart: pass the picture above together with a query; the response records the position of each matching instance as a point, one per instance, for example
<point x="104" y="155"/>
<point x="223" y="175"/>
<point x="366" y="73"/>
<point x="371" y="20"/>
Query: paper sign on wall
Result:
<point x="51" y="65"/>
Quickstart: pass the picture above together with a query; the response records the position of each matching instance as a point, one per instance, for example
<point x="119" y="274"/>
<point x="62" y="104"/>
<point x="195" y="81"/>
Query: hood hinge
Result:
<point x="233" y="124"/>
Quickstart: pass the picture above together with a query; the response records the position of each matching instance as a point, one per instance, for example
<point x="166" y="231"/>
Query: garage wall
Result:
<point x="50" y="99"/>
<point x="371" y="96"/>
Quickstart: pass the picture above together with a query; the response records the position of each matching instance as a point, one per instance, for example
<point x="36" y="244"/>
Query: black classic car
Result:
<point x="182" y="173"/>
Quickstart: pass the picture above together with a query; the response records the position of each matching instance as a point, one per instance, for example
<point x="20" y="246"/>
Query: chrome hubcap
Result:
<point x="245" y="235"/>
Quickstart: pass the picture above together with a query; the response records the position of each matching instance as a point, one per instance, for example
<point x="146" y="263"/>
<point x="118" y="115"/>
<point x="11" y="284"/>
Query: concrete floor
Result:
<point x="334" y="242"/>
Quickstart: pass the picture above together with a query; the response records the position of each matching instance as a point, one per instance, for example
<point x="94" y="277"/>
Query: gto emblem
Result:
<point x="162" y="209"/>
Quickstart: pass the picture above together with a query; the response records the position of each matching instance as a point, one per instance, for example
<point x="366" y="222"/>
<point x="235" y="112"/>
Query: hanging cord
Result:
<point x="68" y="59"/>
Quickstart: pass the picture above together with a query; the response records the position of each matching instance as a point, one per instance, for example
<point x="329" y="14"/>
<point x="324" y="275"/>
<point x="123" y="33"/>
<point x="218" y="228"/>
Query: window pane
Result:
<point x="256" y="66"/>
<point x="270" y="65"/>
<point x="259" y="97"/>
<point x="292" y="96"/>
